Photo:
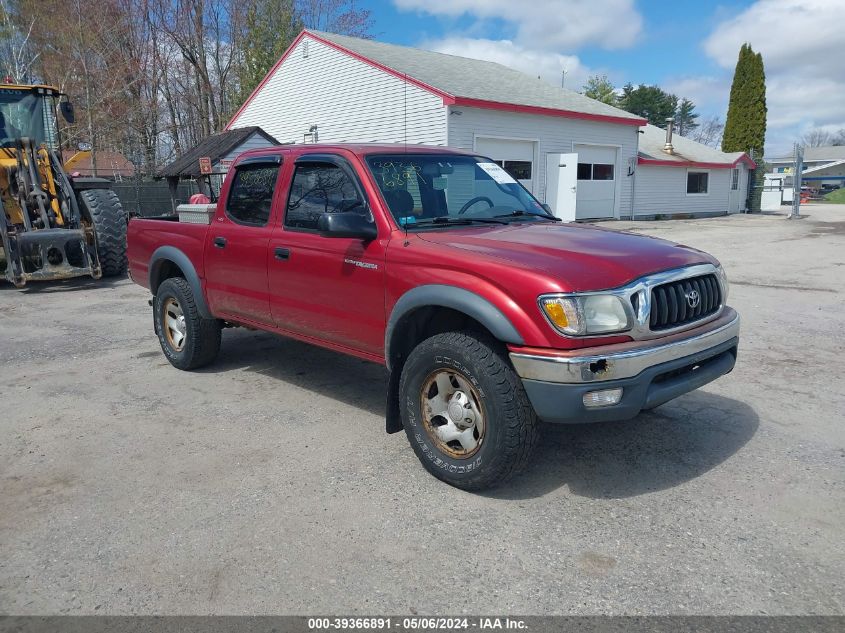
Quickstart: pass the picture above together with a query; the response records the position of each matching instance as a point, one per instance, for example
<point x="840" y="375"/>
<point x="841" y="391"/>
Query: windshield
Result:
<point x="22" y="114"/>
<point x="436" y="189"/>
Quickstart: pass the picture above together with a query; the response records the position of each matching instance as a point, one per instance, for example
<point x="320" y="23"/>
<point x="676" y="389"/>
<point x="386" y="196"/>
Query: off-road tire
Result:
<point x="511" y="426"/>
<point x="103" y="209"/>
<point x="202" y="337"/>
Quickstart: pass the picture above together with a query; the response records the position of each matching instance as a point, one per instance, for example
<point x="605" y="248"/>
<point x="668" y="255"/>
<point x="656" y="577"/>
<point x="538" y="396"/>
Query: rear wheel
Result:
<point x="101" y="208"/>
<point x="465" y="411"/>
<point x="187" y="340"/>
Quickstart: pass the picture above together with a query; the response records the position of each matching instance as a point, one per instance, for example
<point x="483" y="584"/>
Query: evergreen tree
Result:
<point x="598" y="87"/>
<point x="649" y="102"/>
<point x="745" y="126"/>
<point x="685" y="118"/>
<point x="269" y="28"/>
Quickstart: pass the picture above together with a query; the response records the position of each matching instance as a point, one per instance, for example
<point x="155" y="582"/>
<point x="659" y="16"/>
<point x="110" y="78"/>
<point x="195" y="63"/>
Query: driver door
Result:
<point x="328" y="288"/>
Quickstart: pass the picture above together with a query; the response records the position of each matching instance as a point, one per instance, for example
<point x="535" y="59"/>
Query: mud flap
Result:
<point x="393" y="416"/>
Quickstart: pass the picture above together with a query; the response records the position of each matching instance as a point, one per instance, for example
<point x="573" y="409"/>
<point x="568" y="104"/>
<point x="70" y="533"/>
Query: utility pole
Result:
<point x="797" y="168"/>
<point x="563" y="79"/>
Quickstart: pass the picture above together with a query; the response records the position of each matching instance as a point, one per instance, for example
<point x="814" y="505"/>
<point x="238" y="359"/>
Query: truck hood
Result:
<point x="579" y="257"/>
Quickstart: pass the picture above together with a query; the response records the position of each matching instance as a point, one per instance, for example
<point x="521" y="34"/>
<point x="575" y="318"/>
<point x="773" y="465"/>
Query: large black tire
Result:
<point x="475" y="363"/>
<point x="102" y="208"/>
<point x="200" y="341"/>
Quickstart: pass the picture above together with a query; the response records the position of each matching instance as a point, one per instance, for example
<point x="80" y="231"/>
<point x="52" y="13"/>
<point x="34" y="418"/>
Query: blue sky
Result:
<point x="686" y="47"/>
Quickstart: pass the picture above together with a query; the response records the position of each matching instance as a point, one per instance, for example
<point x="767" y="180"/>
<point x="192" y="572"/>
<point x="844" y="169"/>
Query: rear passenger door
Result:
<point x="236" y="253"/>
<point x="329" y="288"/>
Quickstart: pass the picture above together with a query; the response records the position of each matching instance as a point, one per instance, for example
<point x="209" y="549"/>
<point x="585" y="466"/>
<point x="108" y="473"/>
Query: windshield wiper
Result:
<point x="523" y="213"/>
<point x="446" y="220"/>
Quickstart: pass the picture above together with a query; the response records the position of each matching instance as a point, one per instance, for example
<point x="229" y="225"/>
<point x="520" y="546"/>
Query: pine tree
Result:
<point x="598" y="87"/>
<point x="745" y="126"/>
<point x="685" y="118"/>
<point x="269" y="28"/>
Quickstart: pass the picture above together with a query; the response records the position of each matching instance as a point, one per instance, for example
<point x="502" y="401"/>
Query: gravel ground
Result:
<point x="266" y="484"/>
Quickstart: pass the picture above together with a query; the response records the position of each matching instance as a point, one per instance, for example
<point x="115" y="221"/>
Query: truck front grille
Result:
<point x="686" y="301"/>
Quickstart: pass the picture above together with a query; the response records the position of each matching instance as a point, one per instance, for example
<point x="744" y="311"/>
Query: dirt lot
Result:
<point x="266" y="484"/>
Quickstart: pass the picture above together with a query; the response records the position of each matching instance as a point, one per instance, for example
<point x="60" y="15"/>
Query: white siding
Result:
<point x="663" y="191"/>
<point x="255" y="141"/>
<point x="553" y="135"/>
<point x="347" y="99"/>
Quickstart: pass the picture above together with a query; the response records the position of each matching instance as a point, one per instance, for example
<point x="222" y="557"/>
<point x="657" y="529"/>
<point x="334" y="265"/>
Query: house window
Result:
<point x="697" y="182"/>
<point x="251" y="195"/>
<point x="595" y="171"/>
<point x="518" y="169"/>
<point x="734" y="179"/>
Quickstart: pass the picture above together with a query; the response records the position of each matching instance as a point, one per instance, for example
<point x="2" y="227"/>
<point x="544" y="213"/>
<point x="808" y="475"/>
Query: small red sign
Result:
<point x="205" y="165"/>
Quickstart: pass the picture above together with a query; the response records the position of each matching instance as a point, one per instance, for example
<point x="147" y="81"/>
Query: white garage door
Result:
<point x="515" y="157"/>
<point x="596" y="182"/>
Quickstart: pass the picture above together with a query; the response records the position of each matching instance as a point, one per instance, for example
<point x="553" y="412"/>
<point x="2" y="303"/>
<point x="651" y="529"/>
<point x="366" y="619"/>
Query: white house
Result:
<point x="577" y="154"/>
<point x="822" y="166"/>
<point x="676" y="175"/>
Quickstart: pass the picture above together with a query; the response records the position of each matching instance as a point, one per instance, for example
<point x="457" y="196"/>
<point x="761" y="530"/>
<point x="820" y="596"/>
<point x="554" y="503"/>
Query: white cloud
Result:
<point x="802" y="43"/>
<point x="547" y="66"/>
<point x="548" y="24"/>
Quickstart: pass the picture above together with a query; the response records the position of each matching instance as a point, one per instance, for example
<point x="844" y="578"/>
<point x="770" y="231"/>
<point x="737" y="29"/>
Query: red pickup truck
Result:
<point x="488" y="312"/>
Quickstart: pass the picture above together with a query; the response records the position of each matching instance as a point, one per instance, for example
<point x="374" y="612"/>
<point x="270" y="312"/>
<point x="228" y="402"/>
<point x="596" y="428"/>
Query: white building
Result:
<point x="579" y="155"/>
<point x="823" y="166"/>
<point x="688" y="178"/>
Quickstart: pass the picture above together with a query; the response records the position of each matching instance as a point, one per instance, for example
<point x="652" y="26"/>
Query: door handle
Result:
<point x="220" y="242"/>
<point x="281" y="253"/>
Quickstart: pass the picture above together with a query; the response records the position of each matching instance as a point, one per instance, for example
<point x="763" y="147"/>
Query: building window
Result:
<point x="697" y="182"/>
<point x="320" y="188"/>
<point x="251" y="195"/>
<point x="734" y="179"/>
<point x="518" y="169"/>
<point x="595" y="171"/>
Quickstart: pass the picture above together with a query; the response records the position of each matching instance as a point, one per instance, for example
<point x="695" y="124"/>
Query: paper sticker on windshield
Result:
<point x="497" y="173"/>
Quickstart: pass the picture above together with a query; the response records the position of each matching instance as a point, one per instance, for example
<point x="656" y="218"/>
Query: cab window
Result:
<point x="251" y="196"/>
<point x="319" y="188"/>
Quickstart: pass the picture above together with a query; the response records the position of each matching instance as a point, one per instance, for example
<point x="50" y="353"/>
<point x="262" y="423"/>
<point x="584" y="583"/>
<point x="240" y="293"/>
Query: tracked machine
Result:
<point x="52" y="225"/>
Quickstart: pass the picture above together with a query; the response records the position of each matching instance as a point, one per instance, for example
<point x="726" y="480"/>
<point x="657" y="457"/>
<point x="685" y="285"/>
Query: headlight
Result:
<point x="723" y="278"/>
<point x="587" y="314"/>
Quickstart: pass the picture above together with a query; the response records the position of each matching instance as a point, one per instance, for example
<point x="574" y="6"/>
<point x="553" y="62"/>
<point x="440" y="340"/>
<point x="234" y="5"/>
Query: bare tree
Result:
<point x="709" y="131"/>
<point x="16" y="55"/>
<point x="816" y="138"/>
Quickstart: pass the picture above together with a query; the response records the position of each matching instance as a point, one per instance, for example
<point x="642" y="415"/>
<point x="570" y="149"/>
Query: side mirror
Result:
<point x="66" y="108"/>
<point x="547" y="208"/>
<point x="347" y="224"/>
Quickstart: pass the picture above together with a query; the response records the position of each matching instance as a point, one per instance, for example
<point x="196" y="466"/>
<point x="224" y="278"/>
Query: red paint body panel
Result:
<point x="339" y="292"/>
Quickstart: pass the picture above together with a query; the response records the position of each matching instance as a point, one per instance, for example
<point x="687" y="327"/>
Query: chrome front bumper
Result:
<point x="613" y="362"/>
<point x="646" y="374"/>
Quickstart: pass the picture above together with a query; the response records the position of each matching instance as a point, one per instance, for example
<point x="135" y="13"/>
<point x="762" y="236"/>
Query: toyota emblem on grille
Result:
<point x="693" y="298"/>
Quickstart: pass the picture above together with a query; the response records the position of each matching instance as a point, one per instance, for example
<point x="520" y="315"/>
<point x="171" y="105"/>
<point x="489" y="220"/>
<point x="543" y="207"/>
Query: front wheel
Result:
<point x="465" y="411"/>
<point x="187" y="339"/>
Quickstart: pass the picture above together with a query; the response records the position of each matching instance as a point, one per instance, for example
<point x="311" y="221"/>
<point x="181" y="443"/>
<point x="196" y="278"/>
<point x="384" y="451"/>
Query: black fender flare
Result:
<point x="164" y="254"/>
<point x="460" y="299"/>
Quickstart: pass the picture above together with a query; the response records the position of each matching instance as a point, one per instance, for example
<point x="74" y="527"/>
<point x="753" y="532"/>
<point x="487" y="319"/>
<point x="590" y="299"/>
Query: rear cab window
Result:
<point x="250" y="199"/>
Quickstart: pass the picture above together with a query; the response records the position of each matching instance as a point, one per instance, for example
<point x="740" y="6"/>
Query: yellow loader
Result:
<point x="52" y="226"/>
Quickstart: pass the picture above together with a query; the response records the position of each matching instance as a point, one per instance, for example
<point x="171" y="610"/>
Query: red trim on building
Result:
<point x="448" y="99"/>
<point x="689" y="163"/>
<point x="527" y="109"/>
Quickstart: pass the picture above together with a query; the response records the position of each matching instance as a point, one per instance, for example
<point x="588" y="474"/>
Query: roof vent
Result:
<point x="668" y="148"/>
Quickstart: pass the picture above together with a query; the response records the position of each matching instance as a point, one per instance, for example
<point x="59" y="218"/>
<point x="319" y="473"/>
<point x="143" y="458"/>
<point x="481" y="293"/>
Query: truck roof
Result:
<point x="359" y="148"/>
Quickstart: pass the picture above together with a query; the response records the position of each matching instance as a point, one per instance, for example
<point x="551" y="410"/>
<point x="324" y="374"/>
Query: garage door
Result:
<point x="597" y="176"/>
<point x="515" y="157"/>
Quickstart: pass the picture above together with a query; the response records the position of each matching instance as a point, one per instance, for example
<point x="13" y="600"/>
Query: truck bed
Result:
<point x="145" y="235"/>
